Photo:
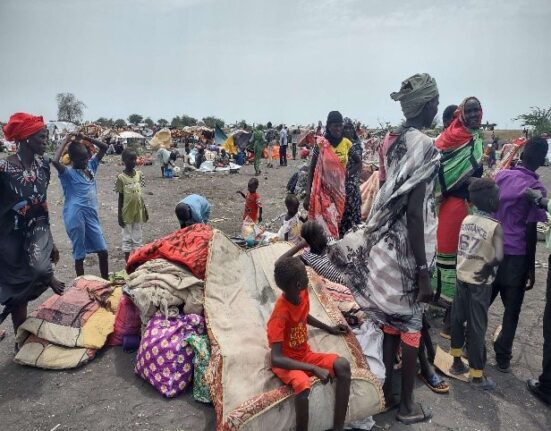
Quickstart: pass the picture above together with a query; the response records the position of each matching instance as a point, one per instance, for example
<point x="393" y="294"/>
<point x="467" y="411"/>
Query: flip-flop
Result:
<point x="2" y="335"/>
<point x="433" y="382"/>
<point x="420" y="417"/>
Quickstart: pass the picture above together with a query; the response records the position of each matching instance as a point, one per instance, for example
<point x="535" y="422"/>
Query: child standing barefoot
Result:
<point x="292" y="359"/>
<point x="80" y="212"/>
<point x="132" y="212"/>
<point x="253" y="207"/>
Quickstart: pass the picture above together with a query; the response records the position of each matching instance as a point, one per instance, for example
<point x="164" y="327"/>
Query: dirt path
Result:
<point x="106" y="394"/>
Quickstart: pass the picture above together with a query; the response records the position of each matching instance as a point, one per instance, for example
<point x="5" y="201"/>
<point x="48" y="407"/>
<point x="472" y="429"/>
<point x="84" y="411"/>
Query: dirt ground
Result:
<point x="106" y="394"/>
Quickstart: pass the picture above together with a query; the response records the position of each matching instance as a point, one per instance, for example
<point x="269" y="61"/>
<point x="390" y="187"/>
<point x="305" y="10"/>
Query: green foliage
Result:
<point x="186" y="120"/>
<point x="162" y="122"/>
<point x="176" y="122"/>
<point x="539" y="119"/>
<point x="149" y="122"/>
<point x="135" y="119"/>
<point x="212" y="122"/>
<point x="105" y="122"/>
<point x="120" y="123"/>
<point x="69" y="108"/>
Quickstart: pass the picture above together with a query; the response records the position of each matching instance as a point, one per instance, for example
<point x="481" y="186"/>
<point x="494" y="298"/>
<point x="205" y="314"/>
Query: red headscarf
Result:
<point x="457" y="133"/>
<point x="22" y="125"/>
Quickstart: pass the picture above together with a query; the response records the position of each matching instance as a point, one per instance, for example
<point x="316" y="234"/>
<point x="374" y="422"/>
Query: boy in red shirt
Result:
<point x="253" y="207"/>
<point x="292" y="359"/>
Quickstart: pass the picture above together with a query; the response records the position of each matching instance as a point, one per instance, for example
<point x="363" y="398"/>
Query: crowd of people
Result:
<point x="440" y="231"/>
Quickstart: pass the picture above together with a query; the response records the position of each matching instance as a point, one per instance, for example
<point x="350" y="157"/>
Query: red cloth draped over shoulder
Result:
<point x="454" y="136"/>
<point x="22" y="125"/>
<point x="327" y="195"/>
<point x="188" y="246"/>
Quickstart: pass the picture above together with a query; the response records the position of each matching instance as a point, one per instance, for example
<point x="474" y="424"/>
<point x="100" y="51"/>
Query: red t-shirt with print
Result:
<point x="287" y="325"/>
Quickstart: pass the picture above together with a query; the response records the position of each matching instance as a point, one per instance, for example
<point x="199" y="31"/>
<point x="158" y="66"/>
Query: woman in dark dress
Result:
<point x="353" y="204"/>
<point x="27" y="249"/>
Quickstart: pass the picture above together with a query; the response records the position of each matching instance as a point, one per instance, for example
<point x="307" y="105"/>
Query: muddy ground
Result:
<point x="106" y="394"/>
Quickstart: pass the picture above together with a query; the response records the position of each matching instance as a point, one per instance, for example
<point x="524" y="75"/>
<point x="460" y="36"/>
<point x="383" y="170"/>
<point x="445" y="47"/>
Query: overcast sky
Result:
<point x="286" y="61"/>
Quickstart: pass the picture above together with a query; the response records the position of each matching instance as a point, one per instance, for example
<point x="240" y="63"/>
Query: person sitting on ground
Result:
<point x="290" y="231"/>
<point x="192" y="209"/>
<point x="480" y="251"/>
<point x="80" y="212"/>
<point x="292" y="359"/>
<point x="132" y="212"/>
<point x="519" y="218"/>
<point x="222" y="160"/>
<point x="253" y="206"/>
<point x="200" y="156"/>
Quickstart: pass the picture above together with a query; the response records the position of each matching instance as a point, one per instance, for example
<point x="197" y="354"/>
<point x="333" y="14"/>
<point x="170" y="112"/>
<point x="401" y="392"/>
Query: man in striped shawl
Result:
<point x="388" y="262"/>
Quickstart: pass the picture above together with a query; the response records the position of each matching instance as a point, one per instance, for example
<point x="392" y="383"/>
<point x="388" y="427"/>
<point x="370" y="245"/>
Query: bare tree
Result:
<point x="69" y="108"/>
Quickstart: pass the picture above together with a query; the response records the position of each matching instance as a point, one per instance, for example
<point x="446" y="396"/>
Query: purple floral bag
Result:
<point x="165" y="359"/>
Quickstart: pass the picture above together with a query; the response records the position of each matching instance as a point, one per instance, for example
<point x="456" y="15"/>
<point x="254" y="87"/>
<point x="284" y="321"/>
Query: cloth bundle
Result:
<point x="127" y="322"/>
<point x="368" y="191"/>
<point x="158" y="285"/>
<point x="189" y="247"/>
<point x="66" y="331"/>
<point x="165" y="358"/>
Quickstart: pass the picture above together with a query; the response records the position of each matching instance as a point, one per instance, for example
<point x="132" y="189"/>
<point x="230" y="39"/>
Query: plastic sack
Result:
<point x="127" y="322"/>
<point x="165" y="358"/>
<point x="249" y="229"/>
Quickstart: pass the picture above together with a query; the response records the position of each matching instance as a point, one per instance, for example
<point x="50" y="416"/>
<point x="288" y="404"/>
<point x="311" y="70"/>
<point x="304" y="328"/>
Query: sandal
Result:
<point x="433" y="382"/>
<point x="422" y="416"/>
<point x="2" y="335"/>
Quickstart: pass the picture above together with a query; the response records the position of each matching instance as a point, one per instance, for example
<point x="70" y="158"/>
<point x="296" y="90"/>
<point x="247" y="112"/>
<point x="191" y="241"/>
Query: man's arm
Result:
<point x="416" y="236"/>
<point x="531" y="243"/>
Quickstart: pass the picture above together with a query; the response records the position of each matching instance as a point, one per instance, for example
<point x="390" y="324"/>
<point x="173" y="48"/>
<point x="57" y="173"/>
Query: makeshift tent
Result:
<point x="219" y="136"/>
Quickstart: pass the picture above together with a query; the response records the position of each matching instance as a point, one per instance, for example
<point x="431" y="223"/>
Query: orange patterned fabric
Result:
<point x="188" y="246"/>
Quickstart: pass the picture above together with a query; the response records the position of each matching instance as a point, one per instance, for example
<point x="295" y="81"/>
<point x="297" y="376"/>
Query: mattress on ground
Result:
<point x="240" y="293"/>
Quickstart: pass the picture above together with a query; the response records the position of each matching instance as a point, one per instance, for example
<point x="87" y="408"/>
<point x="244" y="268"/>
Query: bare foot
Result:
<point x="57" y="286"/>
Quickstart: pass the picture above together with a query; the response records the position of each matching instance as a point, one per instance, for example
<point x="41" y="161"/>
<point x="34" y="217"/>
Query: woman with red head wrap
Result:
<point x="27" y="249"/>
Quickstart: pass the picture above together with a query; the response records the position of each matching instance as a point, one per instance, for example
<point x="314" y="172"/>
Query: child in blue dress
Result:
<point x="80" y="212"/>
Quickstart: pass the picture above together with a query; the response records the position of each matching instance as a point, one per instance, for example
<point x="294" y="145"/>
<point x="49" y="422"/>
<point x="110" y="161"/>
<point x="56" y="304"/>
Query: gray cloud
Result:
<point x="285" y="61"/>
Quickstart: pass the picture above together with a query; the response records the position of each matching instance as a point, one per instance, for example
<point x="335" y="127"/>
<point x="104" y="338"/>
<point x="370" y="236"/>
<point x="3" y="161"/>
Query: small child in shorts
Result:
<point x="479" y="253"/>
<point x="132" y="213"/>
<point x="291" y="357"/>
<point x="253" y="206"/>
<point x="80" y="211"/>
